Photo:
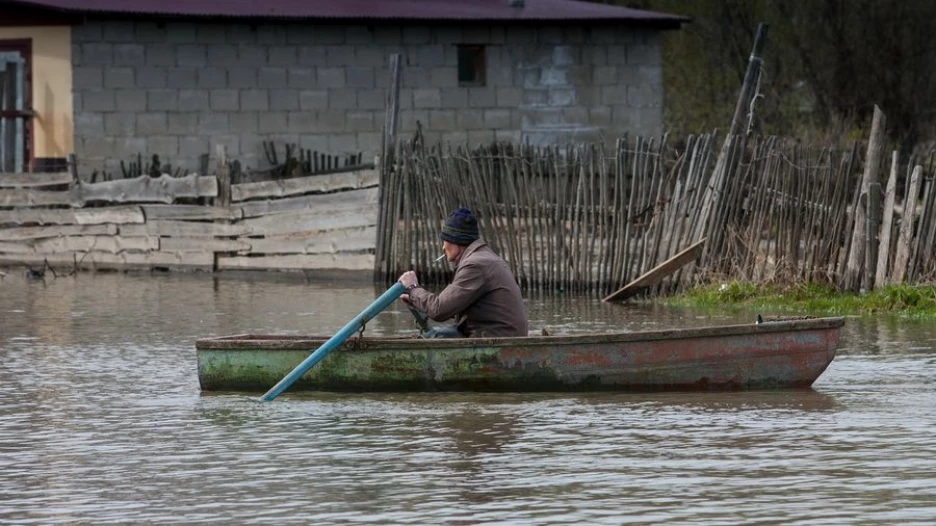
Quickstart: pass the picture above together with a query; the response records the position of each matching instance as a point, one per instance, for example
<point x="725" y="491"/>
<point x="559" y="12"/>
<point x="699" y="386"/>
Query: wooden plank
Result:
<point x="656" y="274"/>
<point x="312" y="220"/>
<point x="23" y="180"/>
<point x="191" y="212"/>
<point x="54" y="245"/>
<point x="299" y="262"/>
<point x="367" y="196"/>
<point x="29" y="197"/>
<point x="331" y="242"/>
<point x="305" y="185"/>
<point x="38" y="232"/>
<point x="118" y="215"/>
<point x="118" y="261"/>
<point x="131" y="214"/>
<point x="161" y="227"/>
<point x="200" y="244"/>
<point x="905" y="237"/>
<point x="141" y="189"/>
<point x="163" y="189"/>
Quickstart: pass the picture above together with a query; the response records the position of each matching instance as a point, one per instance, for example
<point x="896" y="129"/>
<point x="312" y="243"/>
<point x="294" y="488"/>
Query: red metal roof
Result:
<point x="388" y="10"/>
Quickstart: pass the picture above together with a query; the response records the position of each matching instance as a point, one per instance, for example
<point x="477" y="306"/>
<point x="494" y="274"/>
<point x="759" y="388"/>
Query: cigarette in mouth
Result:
<point x="438" y="259"/>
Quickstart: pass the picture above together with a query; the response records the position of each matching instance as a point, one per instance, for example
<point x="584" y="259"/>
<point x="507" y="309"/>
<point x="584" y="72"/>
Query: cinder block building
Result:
<point x="109" y="80"/>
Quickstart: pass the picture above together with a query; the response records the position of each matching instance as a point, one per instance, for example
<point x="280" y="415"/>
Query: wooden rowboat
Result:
<point x="773" y="354"/>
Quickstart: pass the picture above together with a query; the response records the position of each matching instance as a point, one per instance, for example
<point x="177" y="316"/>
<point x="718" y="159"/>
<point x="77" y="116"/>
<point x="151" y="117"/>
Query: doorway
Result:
<point x="15" y="104"/>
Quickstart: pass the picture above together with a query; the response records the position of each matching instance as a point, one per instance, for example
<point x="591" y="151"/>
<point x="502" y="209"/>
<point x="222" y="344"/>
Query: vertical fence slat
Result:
<point x="883" y="271"/>
<point x="905" y="238"/>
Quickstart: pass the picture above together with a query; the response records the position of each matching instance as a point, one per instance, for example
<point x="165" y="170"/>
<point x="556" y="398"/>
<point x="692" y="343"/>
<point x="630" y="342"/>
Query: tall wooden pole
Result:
<point x="750" y="80"/>
<point x="852" y="280"/>
<point x="713" y="192"/>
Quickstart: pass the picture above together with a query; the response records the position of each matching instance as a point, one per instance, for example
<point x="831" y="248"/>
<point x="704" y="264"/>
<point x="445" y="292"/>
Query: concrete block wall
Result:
<point x="177" y="89"/>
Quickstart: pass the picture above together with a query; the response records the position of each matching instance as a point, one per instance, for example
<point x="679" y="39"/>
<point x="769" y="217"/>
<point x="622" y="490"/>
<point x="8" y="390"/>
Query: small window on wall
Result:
<point x="471" y="67"/>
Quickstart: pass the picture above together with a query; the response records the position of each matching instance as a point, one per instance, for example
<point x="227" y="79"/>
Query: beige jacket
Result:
<point x="483" y="296"/>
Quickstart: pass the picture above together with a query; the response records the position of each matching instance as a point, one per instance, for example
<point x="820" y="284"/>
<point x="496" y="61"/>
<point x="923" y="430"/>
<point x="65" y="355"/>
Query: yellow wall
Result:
<point x="51" y="87"/>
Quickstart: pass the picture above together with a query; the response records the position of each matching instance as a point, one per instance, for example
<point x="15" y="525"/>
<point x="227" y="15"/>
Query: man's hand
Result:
<point x="408" y="279"/>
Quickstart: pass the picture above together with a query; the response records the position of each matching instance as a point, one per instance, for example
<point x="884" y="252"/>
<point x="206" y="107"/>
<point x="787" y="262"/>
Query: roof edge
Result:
<point x="655" y="20"/>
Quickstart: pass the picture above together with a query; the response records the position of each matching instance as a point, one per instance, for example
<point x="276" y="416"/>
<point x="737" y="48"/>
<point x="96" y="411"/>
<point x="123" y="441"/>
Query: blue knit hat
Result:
<point x="460" y="228"/>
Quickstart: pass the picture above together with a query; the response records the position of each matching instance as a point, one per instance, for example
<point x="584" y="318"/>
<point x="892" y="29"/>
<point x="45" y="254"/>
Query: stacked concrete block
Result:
<point x="178" y="89"/>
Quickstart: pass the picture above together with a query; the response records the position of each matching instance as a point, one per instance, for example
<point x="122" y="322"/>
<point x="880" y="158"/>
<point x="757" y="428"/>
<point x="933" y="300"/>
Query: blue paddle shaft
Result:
<point x="335" y="341"/>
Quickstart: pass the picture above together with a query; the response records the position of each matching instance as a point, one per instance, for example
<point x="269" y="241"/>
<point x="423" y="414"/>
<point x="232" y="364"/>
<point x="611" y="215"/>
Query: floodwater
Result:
<point x="102" y="421"/>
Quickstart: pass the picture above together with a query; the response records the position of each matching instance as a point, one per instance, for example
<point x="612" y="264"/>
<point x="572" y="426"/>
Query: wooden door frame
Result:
<point x="24" y="47"/>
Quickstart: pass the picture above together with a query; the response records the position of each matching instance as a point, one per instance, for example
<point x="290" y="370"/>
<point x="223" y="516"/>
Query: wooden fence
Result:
<point x="307" y="223"/>
<point x="582" y="219"/>
<point x="307" y="162"/>
<point x="579" y="219"/>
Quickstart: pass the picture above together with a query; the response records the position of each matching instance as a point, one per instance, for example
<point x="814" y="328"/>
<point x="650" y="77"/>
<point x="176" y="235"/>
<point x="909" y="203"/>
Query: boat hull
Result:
<point x="770" y="355"/>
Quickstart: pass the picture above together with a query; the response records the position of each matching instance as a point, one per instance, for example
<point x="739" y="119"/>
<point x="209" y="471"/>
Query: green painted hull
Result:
<point x="769" y="355"/>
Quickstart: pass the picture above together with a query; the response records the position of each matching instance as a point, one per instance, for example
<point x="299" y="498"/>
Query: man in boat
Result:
<point x="483" y="297"/>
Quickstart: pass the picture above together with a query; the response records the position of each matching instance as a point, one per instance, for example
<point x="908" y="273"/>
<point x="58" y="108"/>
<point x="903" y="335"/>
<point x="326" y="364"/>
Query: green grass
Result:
<point x="915" y="301"/>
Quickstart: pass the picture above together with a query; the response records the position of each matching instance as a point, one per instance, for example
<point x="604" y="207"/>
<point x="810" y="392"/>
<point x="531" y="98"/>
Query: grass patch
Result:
<point x="915" y="301"/>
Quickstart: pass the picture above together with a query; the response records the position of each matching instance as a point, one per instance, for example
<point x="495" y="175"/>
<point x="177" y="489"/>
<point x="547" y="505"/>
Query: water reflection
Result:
<point x="876" y="335"/>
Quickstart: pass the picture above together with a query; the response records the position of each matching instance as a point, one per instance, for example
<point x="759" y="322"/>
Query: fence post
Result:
<point x="224" y="179"/>
<point x="852" y="280"/>
<point x="223" y="200"/>
<point x="902" y="257"/>
<point x="871" y="247"/>
<point x="74" y="186"/>
<point x="385" y="214"/>
<point x="884" y="250"/>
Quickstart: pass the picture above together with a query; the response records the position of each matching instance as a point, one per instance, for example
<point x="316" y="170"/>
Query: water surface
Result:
<point x="102" y="421"/>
